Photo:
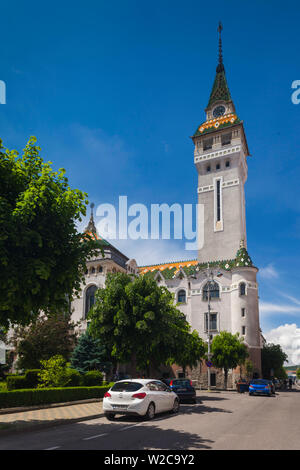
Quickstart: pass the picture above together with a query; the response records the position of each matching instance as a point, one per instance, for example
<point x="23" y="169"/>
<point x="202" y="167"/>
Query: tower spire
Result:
<point x="91" y="228"/>
<point x="220" y="66"/>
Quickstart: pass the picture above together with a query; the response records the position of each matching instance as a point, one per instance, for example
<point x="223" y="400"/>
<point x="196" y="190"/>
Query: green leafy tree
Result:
<point x="228" y="351"/>
<point x="272" y="359"/>
<point x="298" y="374"/>
<point x="42" y="339"/>
<point x="54" y="372"/>
<point x="42" y="255"/>
<point x="190" y="351"/>
<point x="137" y="322"/>
<point x="89" y="354"/>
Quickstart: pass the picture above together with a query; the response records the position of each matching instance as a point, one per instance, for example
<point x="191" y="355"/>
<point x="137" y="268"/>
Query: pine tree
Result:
<point x="89" y="354"/>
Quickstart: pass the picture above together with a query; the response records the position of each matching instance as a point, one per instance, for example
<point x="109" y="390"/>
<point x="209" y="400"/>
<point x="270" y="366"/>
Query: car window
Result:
<point x="181" y="382"/>
<point x="152" y="386"/>
<point x="126" y="387"/>
<point x="161" y="386"/>
<point x="259" y="382"/>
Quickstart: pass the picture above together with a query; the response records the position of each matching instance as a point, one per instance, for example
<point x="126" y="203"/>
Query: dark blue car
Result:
<point x="183" y="389"/>
<point x="260" y="387"/>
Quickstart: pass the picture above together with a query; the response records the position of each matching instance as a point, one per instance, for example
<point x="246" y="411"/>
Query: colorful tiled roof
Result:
<point x="220" y="90"/>
<point x="192" y="267"/>
<point x="217" y="123"/>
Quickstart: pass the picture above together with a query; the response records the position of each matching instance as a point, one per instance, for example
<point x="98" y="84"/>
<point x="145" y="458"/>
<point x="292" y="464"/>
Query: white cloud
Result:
<point x="269" y="308"/>
<point x="288" y="336"/>
<point x="269" y="272"/>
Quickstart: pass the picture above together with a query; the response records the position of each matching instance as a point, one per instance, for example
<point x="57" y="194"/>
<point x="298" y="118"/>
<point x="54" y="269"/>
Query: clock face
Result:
<point x="219" y="111"/>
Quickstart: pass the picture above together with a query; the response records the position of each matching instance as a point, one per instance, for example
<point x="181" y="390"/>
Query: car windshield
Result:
<point x="126" y="387"/>
<point x="260" y="382"/>
<point x="181" y="382"/>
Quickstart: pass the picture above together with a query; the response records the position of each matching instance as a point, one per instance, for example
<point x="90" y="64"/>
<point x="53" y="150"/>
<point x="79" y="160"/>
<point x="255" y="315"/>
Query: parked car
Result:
<point x="261" y="387"/>
<point x="183" y="388"/>
<point x="141" y="397"/>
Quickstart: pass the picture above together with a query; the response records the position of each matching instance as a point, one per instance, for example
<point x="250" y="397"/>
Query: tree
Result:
<point x="272" y="360"/>
<point x="89" y="354"/>
<point x="137" y="322"/>
<point x="298" y="374"/>
<point x="42" y="339"/>
<point x="42" y="256"/>
<point x="228" y="351"/>
<point x="54" y="372"/>
<point x="190" y="351"/>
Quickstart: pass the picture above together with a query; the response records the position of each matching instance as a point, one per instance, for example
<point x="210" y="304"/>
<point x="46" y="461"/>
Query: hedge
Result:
<point x="43" y="396"/>
<point x="29" y="380"/>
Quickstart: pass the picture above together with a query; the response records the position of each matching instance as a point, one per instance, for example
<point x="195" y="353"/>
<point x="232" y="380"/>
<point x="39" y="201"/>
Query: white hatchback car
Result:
<point x="143" y="397"/>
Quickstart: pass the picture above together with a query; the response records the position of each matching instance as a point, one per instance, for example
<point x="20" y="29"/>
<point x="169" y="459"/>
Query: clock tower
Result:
<point x="220" y="157"/>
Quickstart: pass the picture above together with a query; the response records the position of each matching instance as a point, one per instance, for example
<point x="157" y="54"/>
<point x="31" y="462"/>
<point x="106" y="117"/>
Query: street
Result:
<point x="220" y="420"/>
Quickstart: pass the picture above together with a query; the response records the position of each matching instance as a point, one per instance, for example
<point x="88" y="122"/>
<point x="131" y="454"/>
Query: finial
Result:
<point x="220" y="67"/>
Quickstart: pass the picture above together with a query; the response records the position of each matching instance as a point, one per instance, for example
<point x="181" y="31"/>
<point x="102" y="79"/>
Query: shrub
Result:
<point x="75" y="379"/>
<point x="16" y="382"/>
<point x="54" y="372"/>
<point x="32" y="377"/>
<point x="93" y="378"/>
<point x="43" y="396"/>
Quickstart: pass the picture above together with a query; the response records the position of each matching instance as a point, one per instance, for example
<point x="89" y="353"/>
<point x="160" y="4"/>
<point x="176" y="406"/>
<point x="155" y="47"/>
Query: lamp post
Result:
<point x="210" y="277"/>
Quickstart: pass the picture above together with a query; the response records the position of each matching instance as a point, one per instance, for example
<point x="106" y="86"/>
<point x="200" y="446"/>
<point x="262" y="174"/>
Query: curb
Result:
<point x="6" y="411"/>
<point x="28" y="427"/>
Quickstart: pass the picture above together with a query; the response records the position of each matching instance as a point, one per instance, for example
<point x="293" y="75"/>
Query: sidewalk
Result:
<point x="28" y="419"/>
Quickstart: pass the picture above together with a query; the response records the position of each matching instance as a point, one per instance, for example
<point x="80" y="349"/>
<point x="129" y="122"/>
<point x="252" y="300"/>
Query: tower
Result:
<point x="220" y="157"/>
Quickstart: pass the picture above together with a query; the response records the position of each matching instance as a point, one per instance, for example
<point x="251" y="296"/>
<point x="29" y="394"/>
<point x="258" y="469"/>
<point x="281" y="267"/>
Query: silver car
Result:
<point x="141" y="397"/>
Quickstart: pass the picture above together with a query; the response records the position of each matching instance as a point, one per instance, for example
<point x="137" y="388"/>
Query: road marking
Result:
<point x="53" y="448"/>
<point x="95" y="437"/>
<point x="128" y="427"/>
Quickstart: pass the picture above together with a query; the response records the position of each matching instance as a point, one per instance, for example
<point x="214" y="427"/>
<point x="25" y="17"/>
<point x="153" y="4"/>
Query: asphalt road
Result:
<point x="220" y="420"/>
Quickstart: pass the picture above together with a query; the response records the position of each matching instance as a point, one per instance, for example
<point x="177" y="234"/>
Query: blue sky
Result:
<point x="114" y="90"/>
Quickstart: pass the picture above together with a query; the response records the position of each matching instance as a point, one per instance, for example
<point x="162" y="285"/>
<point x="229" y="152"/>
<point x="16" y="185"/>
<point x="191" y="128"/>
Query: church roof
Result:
<point x="217" y="123"/>
<point x="220" y="90"/>
<point x="191" y="267"/>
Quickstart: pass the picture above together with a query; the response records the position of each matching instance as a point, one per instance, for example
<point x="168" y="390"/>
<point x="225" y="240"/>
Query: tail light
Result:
<point x="107" y="395"/>
<point x="267" y="387"/>
<point x="191" y="383"/>
<point x="139" y="395"/>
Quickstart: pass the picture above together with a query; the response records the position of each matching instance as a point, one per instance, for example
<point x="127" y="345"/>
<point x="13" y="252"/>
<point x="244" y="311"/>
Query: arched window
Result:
<point x="89" y="298"/>
<point x="181" y="297"/>
<point x="211" y="288"/>
<point x="100" y="269"/>
<point x="242" y="288"/>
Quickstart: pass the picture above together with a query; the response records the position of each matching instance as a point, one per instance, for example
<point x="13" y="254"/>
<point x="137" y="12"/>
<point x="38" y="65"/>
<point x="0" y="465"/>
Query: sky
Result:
<point x="114" y="90"/>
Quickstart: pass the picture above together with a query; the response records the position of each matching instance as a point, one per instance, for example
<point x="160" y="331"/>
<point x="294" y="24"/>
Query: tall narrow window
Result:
<point x="218" y="200"/>
<point x="89" y="298"/>
<point x="181" y="296"/>
<point x="242" y="288"/>
<point x="213" y="322"/>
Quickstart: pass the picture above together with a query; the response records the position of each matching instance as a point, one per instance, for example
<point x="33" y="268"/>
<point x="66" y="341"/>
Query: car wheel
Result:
<point x="251" y="394"/>
<point x="150" y="412"/>
<point x="176" y="405"/>
<point x="110" y="416"/>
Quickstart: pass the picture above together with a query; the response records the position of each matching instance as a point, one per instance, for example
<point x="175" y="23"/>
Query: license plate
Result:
<point x="181" y="390"/>
<point x="120" y="407"/>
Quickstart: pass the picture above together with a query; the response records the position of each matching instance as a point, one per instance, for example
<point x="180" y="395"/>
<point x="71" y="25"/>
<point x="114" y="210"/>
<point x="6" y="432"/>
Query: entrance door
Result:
<point x="213" y="379"/>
